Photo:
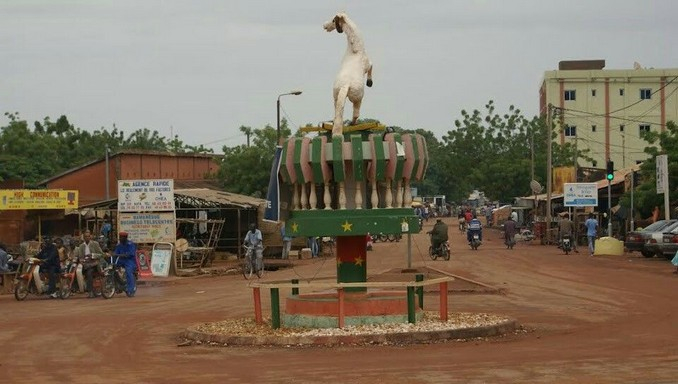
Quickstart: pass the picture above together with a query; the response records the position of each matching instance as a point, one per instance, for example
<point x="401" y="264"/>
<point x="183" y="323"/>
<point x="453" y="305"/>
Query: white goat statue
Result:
<point x="354" y="66"/>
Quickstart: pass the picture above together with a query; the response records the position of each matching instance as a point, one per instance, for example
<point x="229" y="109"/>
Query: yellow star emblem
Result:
<point x="295" y="227"/>
<point x="347" y="227"/>
<point x="359" y="261"/>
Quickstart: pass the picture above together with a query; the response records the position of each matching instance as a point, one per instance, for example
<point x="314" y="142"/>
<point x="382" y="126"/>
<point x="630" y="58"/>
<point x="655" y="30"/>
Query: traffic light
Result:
<point x="610" y="170"/>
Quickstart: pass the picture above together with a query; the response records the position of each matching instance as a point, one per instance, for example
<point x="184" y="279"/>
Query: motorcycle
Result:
<point x="526" y="235"/>
<point x="120" y="276"/>
<point x="72" y="280"/>
<point x="394" y="237"/>
<point x="475" y="241"/>
<point x="30" y="280"/>
<point x="442" y="251"/>
<point x="380" y="237"/>
<point x="103" y="281"/>
<point x="566" y="244"/>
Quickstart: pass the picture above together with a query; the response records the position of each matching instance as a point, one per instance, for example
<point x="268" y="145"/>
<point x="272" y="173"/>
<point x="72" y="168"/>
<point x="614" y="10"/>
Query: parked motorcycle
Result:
<point x="30" y="280"/>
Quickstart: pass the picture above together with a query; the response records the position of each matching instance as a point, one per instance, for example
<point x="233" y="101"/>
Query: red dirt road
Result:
<point x="590" y="320"/>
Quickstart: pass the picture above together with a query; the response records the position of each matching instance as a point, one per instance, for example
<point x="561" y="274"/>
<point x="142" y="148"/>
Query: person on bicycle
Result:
<point x="92" y="250"/>
<point x="438" y="235"/>
<point x="474" y="226"/>
<point x="255" y="239"/>
<point x="126" y="251"/>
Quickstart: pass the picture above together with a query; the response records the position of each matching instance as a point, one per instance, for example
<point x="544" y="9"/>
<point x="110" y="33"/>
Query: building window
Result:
<point x="570" y="131"/>
<point x="570" y="95"/>
<point x="621" y="91"/>
<point x="621" y="128"/>
<point x="645" y="94"/>
<point x="593" y="92"/>
<point x="643" y="128"/>
<point x="593" y="128"/>
<point x="594" y="164"/>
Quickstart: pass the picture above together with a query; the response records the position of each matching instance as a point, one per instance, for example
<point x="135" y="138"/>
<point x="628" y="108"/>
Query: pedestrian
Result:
<point x="4" y="258"/>
<point x="510" y="230"/>
<point x="675" y="262"/>
<point x="287" y="242"/>
<point x="591" y="232"/>
<point x="313" y="244"/>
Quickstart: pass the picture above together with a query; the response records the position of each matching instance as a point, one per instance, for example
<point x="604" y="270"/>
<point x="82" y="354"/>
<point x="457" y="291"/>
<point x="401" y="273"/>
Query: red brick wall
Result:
<point x="91" y="183"/>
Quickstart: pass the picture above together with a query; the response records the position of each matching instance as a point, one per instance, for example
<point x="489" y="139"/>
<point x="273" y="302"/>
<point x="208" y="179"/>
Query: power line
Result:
<point x="641" y="100"/>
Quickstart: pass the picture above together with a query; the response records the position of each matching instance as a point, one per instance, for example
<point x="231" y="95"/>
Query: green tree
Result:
<point x="646" y="197"/>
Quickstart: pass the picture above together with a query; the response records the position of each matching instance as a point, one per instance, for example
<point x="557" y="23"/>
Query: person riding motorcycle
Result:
<point x="474" y="227"/>
<point x="126" y="252"/>
<point x="50" y="256"/>
<point x="438" y="235"/>
<point x="91" y="250"/>
<point x="565" y="228"/>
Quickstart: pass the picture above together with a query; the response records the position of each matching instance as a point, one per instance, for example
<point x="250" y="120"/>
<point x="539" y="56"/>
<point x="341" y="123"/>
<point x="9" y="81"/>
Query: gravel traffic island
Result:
<point x="460" y="326"/>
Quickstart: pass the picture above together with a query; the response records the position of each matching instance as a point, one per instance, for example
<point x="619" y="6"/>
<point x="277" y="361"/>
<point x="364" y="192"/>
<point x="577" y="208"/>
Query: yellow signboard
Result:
<point x="15" y="199"/>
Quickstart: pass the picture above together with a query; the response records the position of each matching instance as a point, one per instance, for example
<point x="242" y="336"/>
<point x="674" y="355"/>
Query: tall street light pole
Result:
<point x="278" y="110"/>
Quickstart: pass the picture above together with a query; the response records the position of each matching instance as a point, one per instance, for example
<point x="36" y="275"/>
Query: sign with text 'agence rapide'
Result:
<point x="146" y="195"/>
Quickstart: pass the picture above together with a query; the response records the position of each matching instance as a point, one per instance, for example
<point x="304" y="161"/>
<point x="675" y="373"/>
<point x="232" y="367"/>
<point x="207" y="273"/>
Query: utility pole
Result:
<point x="633" y="186"/>
<point x="549" y="132"/>
<point x="532" y="156"/>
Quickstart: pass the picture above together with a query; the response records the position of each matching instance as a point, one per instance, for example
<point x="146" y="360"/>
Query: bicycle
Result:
<point x="252" y="264"/>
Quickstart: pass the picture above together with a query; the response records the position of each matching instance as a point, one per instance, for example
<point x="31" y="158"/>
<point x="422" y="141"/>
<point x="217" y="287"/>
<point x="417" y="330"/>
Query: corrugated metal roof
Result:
<point x="221" y="197"/>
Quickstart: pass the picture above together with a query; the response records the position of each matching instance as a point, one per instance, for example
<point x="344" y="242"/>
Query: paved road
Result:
<point x="590" y="320"/>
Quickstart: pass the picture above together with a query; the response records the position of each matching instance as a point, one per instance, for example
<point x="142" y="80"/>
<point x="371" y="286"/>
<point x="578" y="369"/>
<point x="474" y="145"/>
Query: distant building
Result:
<point x="605" y="110"/>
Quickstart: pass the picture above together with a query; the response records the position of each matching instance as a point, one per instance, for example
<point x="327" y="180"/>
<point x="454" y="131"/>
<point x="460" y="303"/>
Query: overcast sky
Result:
<point x="205" y="68"/>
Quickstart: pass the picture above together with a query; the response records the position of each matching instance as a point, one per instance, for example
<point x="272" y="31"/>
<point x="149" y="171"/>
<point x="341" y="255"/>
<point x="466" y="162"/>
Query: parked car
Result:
<point x="666" y="245"/>
<point x="635" y="240"/>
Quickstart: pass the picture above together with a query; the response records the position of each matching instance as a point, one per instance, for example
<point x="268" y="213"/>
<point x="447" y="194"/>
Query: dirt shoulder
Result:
<point x="588" y="319"/>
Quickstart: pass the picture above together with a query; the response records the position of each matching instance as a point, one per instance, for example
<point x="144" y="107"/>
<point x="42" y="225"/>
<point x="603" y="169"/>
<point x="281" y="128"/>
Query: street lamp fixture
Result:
<point x="296" y="93"/>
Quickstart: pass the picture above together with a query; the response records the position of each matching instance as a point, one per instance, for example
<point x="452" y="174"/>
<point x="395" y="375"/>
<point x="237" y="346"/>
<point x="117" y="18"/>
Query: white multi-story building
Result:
<point x="606" y="110"/>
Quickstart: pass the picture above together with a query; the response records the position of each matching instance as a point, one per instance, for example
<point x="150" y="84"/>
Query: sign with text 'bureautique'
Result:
<point x="15" y="199"/>
<point x="145" y="195"/>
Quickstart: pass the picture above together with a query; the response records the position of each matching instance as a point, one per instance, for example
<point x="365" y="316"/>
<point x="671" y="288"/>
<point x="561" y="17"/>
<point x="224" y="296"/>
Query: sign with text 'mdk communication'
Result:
<point x="14" y="199"/>
<point x="145" y="195"/>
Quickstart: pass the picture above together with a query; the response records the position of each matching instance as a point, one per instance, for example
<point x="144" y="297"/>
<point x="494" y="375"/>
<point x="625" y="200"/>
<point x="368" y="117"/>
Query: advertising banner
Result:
<point x="272" y="211"/>
<point x="580" y="195"/>
<point x="14" y="199"/>
<point x="160" y="262"/>
<point x="145" y="195"/>
<point x="149" y="227"/>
